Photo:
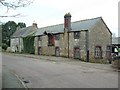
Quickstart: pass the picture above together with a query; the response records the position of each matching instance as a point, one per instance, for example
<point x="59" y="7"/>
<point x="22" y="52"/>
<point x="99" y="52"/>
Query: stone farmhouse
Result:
<point x="88" y="40"/>
<point x="17" y="42"/>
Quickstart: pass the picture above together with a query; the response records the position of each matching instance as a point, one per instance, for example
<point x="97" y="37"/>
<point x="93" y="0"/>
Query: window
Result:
<point x="50" y="40"/>
<point x="39" y="38"/>
<point x="98" y="52"/>
<point x="77" y="52"/>
<point x="57" y="36"/>
<point x="76" y="35"/>
<point x="57" y="51"/>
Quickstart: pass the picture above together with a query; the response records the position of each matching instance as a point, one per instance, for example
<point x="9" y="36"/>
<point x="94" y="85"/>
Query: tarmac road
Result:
<point x="10" y="80"/>
<point x="39" y="73"/>
<point x="0" y="70"/>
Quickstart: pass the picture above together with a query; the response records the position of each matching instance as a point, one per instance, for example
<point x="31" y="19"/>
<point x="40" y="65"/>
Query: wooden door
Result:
<point x="39" y="50"/>
<point x="57" y="51"/>
<point x="77" y="53"/>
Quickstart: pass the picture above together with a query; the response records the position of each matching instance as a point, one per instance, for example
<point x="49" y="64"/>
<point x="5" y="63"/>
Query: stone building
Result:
<point x="16" y="41"/>
<point x="88" y="40"/>
<point x="116" y="46"/>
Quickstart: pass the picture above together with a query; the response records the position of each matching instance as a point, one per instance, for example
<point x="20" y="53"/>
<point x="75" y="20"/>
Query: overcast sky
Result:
<point x="51" y="12"/>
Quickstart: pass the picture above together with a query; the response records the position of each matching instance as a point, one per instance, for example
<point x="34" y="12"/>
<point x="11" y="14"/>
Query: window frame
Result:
<point x="51" y="40"/>
<point x="39" y="38"/>
<point x="76" y="34"/>
<point x="57" y="36"/>
<point x="98" y="52"/>
<point x="108" y="52"/>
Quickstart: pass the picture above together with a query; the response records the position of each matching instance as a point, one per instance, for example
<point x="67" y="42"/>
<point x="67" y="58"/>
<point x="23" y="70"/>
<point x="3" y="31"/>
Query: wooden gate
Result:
<point x="57" y="51"/>
<point x="77" y="53"/>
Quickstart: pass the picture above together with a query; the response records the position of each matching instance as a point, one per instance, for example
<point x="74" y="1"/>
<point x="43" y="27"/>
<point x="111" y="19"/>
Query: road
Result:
<point x="0" y="68"/>
<point x="10" y="79"/>
<point x="38" y="73"/>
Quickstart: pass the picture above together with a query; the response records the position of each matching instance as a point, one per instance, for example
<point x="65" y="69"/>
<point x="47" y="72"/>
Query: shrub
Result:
<point x="4" y="46"/>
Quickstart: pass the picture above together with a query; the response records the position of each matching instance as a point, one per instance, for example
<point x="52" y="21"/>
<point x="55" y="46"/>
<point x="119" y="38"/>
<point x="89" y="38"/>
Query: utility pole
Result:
<point x="68" y="43"/>
<point x="87" y="46"/>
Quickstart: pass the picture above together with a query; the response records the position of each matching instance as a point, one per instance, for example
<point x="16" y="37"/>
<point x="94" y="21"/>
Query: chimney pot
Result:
<point x="67" y="21"/>
<point x="34" y="25"/>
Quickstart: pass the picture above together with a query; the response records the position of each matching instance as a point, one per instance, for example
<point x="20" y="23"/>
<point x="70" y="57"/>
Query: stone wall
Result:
<point x="36" y="45"/>
<point x="81" y="43"/>
<point x="16" y="44"/>
<point x="99" y="35"/>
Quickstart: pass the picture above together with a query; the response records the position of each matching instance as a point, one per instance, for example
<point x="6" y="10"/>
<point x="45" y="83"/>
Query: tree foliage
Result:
<point x="8" y="29"/>
<point x="118" y="49"/>
<point x="13" y="4"/>
<point x="22" y="25"/>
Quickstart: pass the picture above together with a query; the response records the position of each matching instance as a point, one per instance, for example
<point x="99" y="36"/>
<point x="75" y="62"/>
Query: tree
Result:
<point x="7" y="30"/>
<point x="21" y="24"/>
<point x="13" y="4"/>
<point x="118" y="49"/>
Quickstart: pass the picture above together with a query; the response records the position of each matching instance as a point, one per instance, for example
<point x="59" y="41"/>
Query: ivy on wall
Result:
<point x="28" y="43"/>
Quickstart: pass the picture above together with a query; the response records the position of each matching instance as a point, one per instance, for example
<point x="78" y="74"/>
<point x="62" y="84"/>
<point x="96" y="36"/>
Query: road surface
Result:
<point x="0" y="70"/>
<point x="10" y="79"/>
<point x="36" y="73"/>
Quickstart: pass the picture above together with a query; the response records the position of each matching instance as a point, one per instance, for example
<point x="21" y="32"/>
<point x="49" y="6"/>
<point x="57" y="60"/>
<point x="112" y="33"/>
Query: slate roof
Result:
<point x="23" y="32"/>
<point x="75" y="26"/>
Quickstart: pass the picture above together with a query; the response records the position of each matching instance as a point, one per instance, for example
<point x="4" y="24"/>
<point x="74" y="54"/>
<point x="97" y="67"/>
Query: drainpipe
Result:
<point x="68" y="43"/>
<point x="87" y="45"/>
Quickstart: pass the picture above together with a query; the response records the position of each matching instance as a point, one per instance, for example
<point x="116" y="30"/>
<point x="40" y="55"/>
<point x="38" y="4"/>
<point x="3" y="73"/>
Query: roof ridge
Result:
<point x="87" y="19"/>
<point x="71" y="22"/>
<point x="51" y="26"/>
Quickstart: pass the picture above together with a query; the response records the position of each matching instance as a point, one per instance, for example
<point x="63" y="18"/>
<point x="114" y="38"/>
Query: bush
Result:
<point x="4" y="46"/>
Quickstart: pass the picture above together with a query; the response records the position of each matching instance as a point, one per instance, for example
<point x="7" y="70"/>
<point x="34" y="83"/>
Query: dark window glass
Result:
<point x="51" y="40"/>
<point x="57" y="36"/>
<point x="76" y="35"/>
<point x="39" y="38"/>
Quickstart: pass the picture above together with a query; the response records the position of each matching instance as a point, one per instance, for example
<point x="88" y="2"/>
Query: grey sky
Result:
<point x="50" y="12"/>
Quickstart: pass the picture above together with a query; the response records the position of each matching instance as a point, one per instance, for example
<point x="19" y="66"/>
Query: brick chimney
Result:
<point x="18" y="28"/>
<point x="34" y="24"/>
<point x="67" y="21"/>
